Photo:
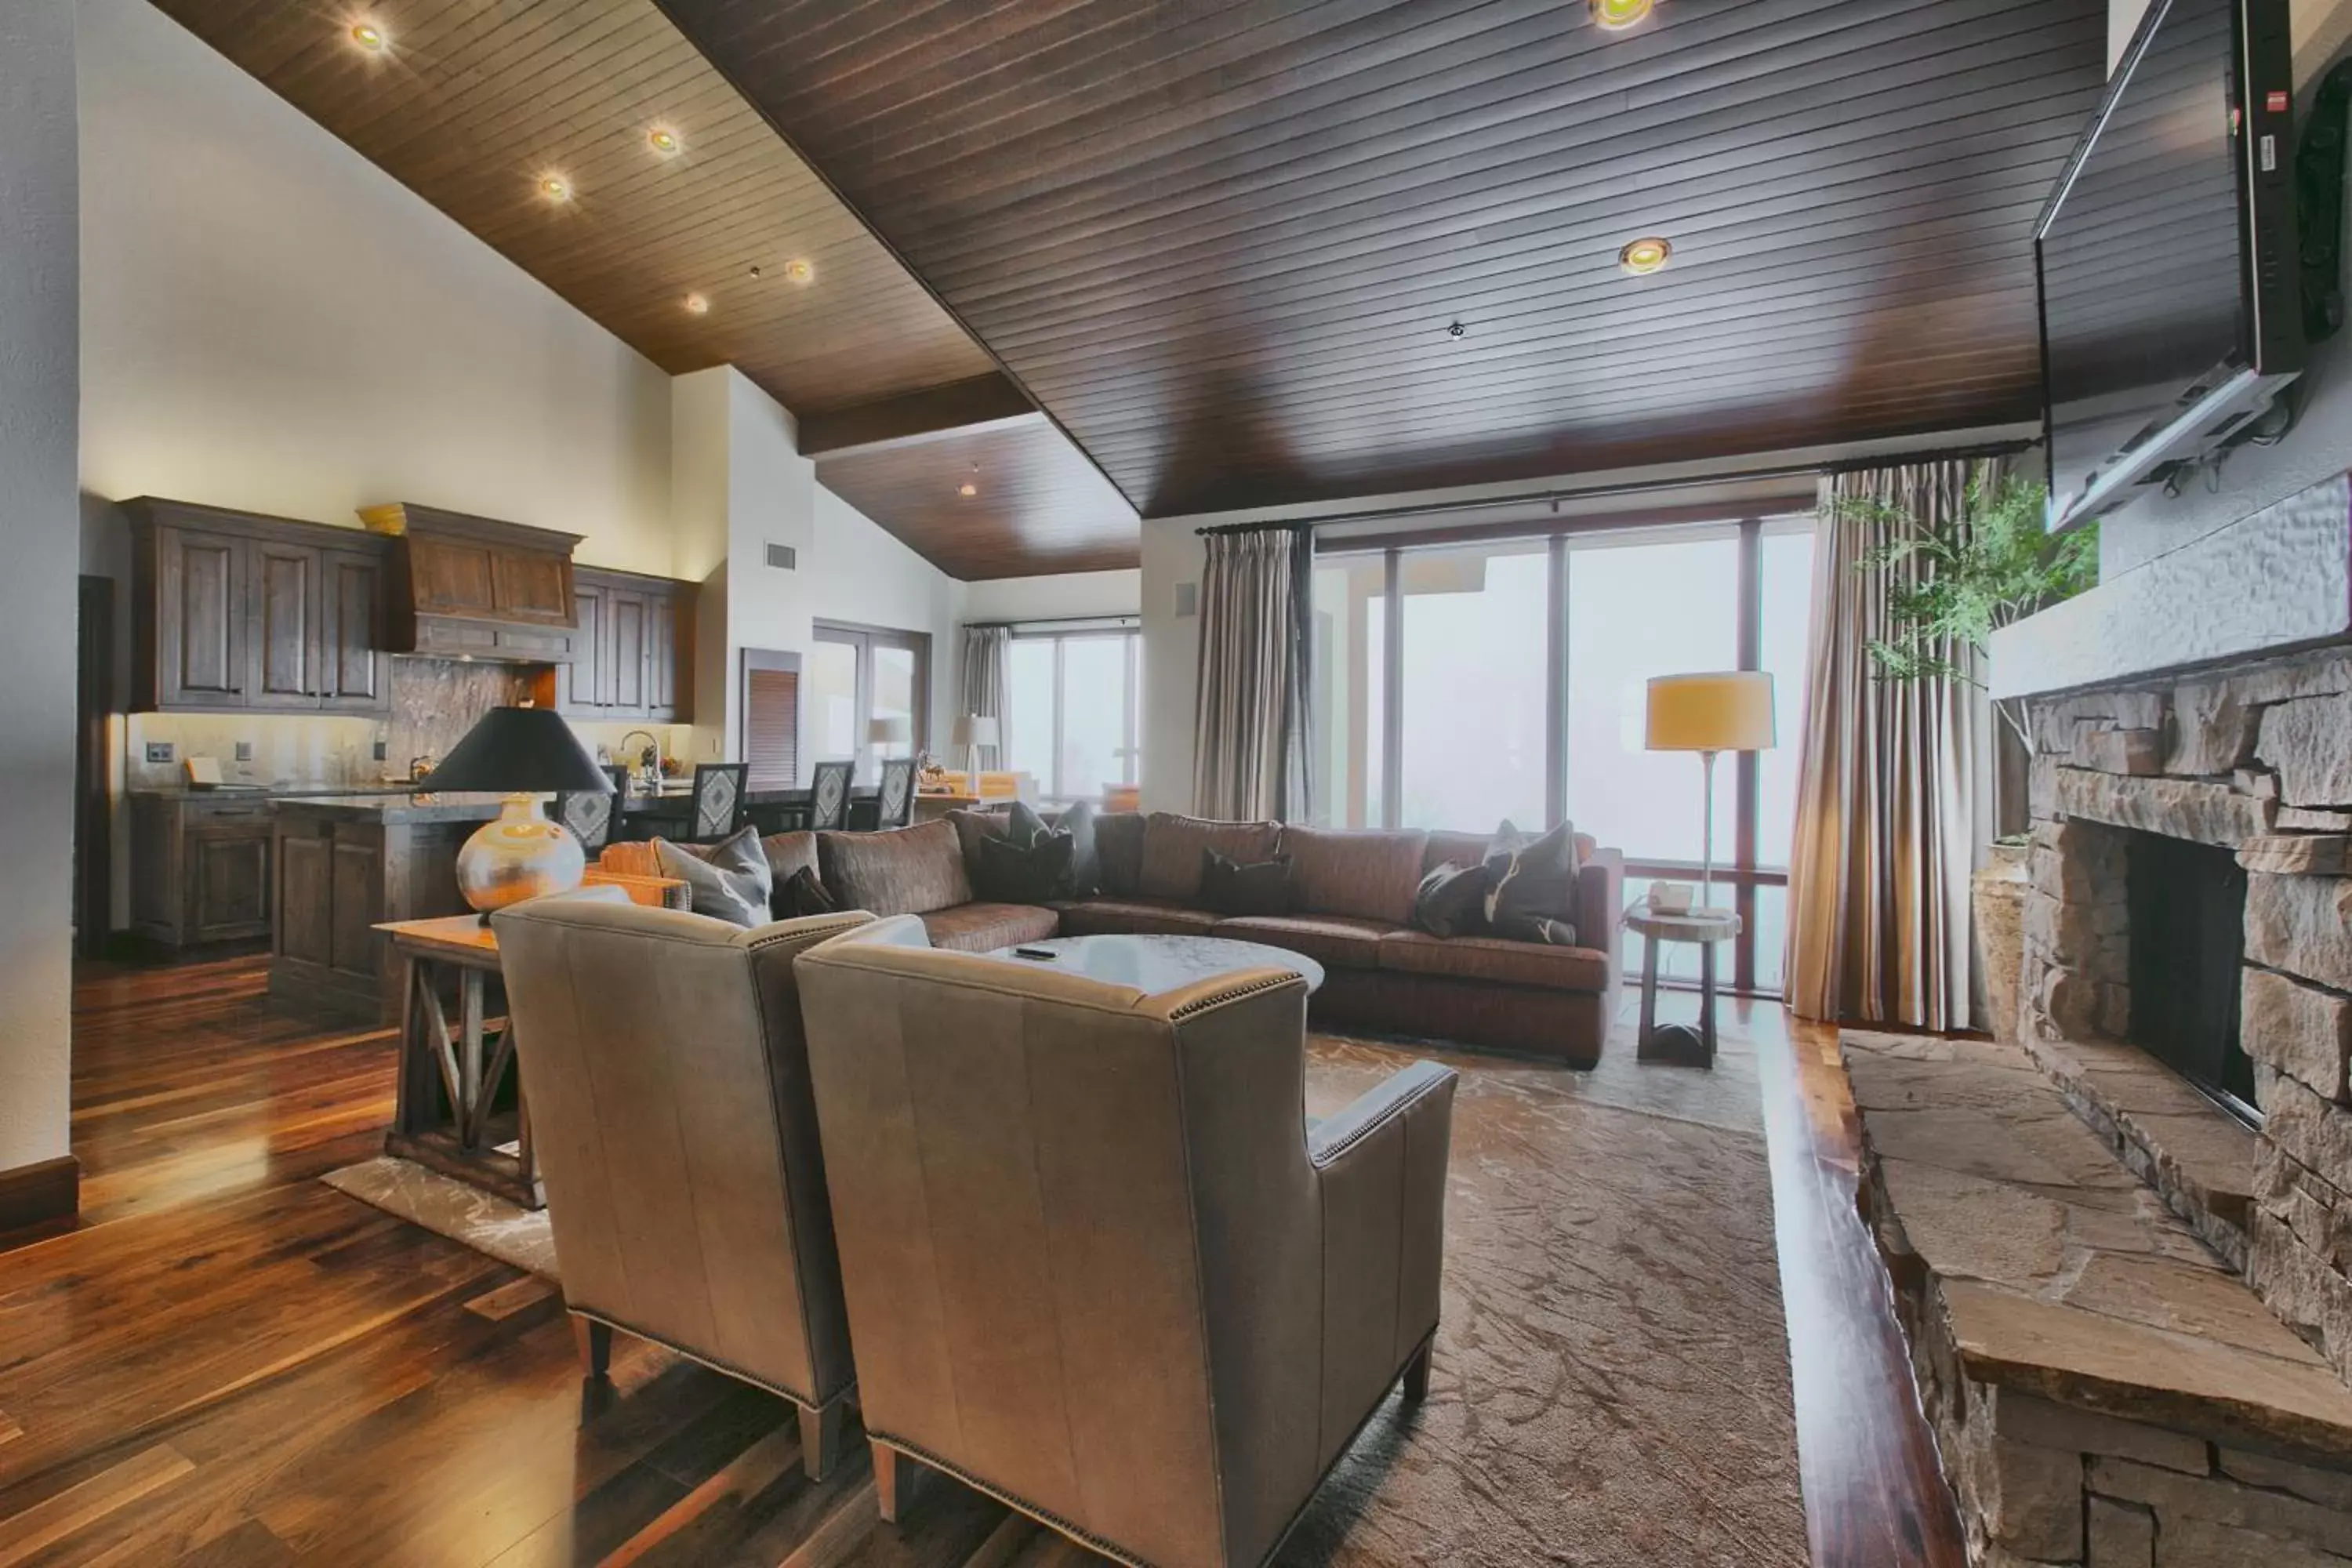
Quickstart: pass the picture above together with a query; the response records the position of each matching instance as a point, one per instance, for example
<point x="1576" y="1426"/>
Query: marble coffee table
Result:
<point x="1154" y="963"/>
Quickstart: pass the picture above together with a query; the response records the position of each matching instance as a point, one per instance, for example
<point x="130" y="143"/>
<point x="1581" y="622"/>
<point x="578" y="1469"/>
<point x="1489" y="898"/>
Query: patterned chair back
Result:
<point x="829" y="797"/>
<point x="718" y="800"/>
<point x="588" y="815"/>
<point x="897" y="792"/>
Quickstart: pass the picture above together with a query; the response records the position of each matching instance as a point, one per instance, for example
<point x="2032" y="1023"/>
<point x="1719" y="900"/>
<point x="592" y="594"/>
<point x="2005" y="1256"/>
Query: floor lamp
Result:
<point x="1721" y="710"/>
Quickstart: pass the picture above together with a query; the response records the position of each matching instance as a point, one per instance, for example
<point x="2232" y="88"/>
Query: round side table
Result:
<point x="1679" y="1043"/>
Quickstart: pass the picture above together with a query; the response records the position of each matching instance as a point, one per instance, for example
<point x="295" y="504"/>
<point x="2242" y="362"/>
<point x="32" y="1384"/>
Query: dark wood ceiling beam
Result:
<point x="983" y="402"/>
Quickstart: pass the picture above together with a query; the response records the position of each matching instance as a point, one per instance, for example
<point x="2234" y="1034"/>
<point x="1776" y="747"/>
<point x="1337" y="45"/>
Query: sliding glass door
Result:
<point x="1515" y="685"/>
<point x="864" y="679"/>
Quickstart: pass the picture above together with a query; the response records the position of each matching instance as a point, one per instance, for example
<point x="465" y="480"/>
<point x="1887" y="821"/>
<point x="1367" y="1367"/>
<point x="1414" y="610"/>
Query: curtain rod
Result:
<point x="1636" y="486"/>
<point x="1060" y="623"/>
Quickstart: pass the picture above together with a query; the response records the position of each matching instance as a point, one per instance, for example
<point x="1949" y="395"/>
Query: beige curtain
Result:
<point x="987" y="656"/>
<point x="1249" y="719"/>
<point x="1892" y="789"/>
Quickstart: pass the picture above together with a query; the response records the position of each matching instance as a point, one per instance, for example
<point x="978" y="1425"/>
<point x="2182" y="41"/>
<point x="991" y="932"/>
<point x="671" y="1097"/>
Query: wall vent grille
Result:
<point x="783" y="557"/>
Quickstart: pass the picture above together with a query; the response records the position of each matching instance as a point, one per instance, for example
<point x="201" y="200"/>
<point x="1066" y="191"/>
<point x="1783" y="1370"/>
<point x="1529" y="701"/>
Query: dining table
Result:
<point x="772" y="810"/>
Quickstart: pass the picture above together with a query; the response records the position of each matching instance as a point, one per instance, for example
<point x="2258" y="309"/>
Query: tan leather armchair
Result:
<point x="1096" y="1265"/>
<point x="666" y="1078"/>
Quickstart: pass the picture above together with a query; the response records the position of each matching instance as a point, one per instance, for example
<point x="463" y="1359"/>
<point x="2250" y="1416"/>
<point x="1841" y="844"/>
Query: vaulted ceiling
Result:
<point x="1149" y="256"/>
<point x="1224" y="246"/>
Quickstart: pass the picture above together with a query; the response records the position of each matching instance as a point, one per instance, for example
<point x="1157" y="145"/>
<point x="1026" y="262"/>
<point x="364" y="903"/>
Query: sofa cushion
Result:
<point x="980" y="928"/>
<point x="1336" y="941"/>
<point x="1491" y="958"/>
<point x="1137" y="916"/>
<point x="1369" y="874"/>
<point x="1118" y="844"/>
<point x="1172" y="847"/>
<point x="899" y="871"/>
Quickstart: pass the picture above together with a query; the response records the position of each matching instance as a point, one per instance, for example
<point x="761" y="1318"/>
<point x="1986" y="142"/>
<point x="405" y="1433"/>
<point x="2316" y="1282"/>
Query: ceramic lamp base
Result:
<point x="521" y="855"/>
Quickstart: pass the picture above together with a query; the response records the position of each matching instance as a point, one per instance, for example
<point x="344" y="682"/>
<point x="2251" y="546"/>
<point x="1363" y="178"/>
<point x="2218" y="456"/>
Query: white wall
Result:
<point x="1073" y="595"/>
<point x="271" y="322"/>
<point x="40" y="521"/>
<point x="740" y="474"/>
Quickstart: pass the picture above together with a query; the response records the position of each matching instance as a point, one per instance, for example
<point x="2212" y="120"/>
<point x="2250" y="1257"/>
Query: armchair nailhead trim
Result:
<point x="1218" y="999"/>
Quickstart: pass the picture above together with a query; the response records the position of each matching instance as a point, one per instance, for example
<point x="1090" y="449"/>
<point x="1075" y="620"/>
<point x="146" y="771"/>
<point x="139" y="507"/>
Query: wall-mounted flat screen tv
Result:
<point x="2167" y="255"/>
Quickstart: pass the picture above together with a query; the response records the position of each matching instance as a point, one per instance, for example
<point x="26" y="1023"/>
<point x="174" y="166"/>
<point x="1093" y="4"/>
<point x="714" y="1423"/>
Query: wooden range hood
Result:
<point x="474" y="588"/>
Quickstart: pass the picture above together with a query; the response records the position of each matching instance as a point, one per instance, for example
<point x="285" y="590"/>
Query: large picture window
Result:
<point x="1073" y="707"/>
<point x="1458" y="686"/>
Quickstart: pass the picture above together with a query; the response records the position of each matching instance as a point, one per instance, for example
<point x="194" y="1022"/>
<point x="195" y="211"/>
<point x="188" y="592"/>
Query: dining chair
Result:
<point x="894" y="800"/>
<point x="588" y="815"/>
<point x="829" y="797"/>
<point x="718" y="801"/>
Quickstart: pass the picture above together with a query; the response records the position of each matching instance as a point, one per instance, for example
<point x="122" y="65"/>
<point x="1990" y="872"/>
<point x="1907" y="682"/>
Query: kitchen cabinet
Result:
<point x="236" y="612"/>
<point x="201" y="867"/>
<point x="633" y="655"/>
<point x="342" y="865"/>
<point x="475" y="587"/>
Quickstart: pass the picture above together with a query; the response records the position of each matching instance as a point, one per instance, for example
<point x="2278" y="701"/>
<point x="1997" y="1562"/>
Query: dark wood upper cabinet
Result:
<point x="634" y="653"/>
<point x="475" y="587"/>
<point x="236" y="611"/>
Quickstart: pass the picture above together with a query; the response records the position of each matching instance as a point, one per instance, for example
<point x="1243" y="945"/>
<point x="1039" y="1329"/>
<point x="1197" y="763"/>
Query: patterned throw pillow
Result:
<point x="1531" y="886"/>
<point x="729" y="881"/>
<point x="1261" y="888"/>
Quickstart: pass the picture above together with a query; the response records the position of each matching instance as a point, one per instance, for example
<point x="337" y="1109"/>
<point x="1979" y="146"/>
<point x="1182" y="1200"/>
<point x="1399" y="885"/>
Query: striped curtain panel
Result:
<point x="1890" y="784"/>
<point x="1250" y="743"/>
<point x="985" y="675"/>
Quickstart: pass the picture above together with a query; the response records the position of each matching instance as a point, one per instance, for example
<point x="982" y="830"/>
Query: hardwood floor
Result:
<point x="229" y="1362"/>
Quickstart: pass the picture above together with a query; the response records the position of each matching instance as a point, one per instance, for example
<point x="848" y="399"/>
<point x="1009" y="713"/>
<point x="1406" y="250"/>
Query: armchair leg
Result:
<point x="595" y="1342"/>
<point x="894" y="1478"/>
<point x="1415" y="1381"/>
<point x="821" y="1433"/>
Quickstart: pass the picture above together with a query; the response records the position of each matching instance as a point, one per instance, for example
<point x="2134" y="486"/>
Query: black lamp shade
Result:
<point x="518" y="751"/>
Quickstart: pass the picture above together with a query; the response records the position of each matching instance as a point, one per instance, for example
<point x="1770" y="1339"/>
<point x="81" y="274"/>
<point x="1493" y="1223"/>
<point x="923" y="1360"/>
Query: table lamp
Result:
<point x="521" y="753"/>
<point x="972" y="731"/>
<point x="1720" y="711"/>
<point x="892" y="732"/>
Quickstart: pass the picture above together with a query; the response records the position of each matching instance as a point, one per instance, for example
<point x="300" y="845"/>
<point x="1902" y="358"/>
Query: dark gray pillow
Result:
<point x="730" y="880"/>
<point x="1031" y="873"/>
<point x="1086" y="862"/>
<point x="801" y="895"/>
<point x="1022" y="825"/>
<point x="1451" y="901"/>
<point x="1259" y="887"/>
<point x="1533" y="897"/>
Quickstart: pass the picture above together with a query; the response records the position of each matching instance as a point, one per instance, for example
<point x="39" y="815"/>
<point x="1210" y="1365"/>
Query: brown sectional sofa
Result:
<point x="1352" y="893"/>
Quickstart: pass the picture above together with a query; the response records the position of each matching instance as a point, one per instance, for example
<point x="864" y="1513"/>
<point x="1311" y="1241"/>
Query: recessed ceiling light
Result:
<point x="696" y="305"/>
<point x="370" y="37"/>
<point x="967" y="488"/>
<point x="1644" y="256"/>
<point x="799" y="271"/>
<point x="1616" y="15"/>
<point x="555" y="188"/>
<point x="664" y="141"/>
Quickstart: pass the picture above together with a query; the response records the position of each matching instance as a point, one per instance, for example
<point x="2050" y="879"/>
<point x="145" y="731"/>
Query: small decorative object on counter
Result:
<point x="1670" y="897"/>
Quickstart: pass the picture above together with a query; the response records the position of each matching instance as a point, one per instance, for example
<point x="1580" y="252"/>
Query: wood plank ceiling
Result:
<point x="1222" y="245"/>
<point x="471" y="105"/>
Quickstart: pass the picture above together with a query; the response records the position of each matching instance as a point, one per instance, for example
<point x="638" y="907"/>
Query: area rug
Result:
<point x="1611" y="1382"/>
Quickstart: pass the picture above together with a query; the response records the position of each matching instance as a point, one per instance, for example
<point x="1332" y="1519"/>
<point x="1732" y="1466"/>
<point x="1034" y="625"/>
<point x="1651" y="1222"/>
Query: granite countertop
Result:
<point x="243" y="791"/>
<point x="396" y="807"/>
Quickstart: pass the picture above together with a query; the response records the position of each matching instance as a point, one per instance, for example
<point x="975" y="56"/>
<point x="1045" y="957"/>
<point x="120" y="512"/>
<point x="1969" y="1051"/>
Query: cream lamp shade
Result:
<point x="1720" y="711"/>
<point x="974" y="730"/>
<point x="889" y="731"/>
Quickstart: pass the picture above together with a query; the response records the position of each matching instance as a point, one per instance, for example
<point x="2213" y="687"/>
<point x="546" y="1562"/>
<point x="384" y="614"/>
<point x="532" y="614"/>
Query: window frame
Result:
<point x="1741" y="873"/>
<point x="1129" y="751"/>
<point x="865" y="641"/>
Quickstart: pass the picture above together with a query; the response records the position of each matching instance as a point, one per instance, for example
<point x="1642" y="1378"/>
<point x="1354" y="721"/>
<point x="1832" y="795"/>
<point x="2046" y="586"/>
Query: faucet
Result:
<point x="419" y="767"/>
<point x="649" y="760"/>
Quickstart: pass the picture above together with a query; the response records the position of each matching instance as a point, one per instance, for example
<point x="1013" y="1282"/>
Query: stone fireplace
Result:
<point x="2191" y="900"/>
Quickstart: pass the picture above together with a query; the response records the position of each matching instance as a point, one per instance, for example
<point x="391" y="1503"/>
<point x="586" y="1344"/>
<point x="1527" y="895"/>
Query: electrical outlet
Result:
<point x="159" y="751"/>
<point x="380" y="746"/>
<point x="245" y="750"/>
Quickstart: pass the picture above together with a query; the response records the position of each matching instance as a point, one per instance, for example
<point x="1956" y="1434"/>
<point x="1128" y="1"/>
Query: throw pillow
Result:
<point x="728" y="881"/>
<point x="1536" y="890"/>
<point x="1031" y="873"/>
<point x="1022" y="825"/>
<point x="801" y="895"/>
<point x="1451" y="901"/>
<point x="1086" y="862"/>
<point x="1261" y="888"/>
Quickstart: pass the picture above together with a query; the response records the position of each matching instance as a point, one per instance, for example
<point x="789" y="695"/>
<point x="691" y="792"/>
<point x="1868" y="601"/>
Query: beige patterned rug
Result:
<point x="1610" y="1385"/>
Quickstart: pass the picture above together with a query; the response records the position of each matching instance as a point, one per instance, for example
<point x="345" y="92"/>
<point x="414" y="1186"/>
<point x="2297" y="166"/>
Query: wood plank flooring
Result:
<point x="228" y="1362"/>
